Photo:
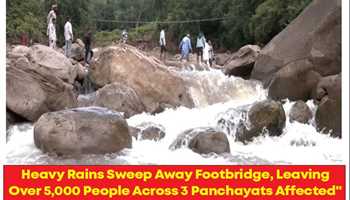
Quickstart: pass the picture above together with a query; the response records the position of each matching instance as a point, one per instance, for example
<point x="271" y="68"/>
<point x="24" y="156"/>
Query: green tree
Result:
<point x="236" y="28"/>
<point x="78" y="11"/>
<point x="246" y="22"/>
<point x="272" y="16"/>
<point x="25" y="17"/>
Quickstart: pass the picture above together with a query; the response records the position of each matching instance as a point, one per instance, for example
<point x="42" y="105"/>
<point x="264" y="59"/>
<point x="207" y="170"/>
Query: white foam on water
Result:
<point x="215" y="94"/>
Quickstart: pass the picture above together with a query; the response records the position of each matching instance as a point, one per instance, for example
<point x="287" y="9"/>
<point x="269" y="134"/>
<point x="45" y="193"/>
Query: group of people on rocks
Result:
<point x="204" y="48"/>
<point x="68" y="35"/>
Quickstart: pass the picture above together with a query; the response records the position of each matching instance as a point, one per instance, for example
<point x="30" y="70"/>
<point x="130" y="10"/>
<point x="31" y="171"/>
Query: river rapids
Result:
<point x="214" y="93"/>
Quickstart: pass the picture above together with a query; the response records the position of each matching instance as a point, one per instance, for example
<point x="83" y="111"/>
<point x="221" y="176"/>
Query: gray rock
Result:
<point x="151" y="80"/>
<point x="78" y="52"/>
<point x="203" y="141"/>
<point x="222" y="58"/>
<point x="300" y="112"/>
<point x="242" y="62"/>
<point x="90" y="130"/>
<point x="150" y="131"/>
<point x="314" y="35"/>
<point x="134" y="132"/>
<point x="266" y="117"/>
<point x="329" y="112"/>
<point x="53" y="62"/>
<point x="82" y="72"/>
<point x="119" y="98"/>
<point x="296" y="81"/>
<point x="32" y="92"/>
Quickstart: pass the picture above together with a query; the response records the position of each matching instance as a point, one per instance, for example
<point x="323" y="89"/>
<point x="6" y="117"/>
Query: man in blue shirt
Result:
<point x="186" y="47"/>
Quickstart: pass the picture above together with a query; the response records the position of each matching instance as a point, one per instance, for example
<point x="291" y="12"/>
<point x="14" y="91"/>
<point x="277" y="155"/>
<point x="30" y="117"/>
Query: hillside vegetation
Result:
<point x="246" y="21"/>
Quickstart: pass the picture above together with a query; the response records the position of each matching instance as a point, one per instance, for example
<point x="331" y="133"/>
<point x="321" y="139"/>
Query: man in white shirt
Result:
<point x="162" y="43"/>
<point x="68" y="36"/>
<point x="52" y="33"/>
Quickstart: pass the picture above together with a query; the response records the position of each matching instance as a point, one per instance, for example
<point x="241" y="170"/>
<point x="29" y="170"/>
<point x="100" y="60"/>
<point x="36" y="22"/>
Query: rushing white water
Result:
<point x="214" y="94"/>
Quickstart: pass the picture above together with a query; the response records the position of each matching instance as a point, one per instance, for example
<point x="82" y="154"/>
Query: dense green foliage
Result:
<point x="272" y="16"/>
<point x="24" y="17"/>
<point x="248" y="21"/>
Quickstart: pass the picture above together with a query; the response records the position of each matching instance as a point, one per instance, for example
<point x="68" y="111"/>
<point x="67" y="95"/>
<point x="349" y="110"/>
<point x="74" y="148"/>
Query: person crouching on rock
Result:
<point x="186" y="48"/>
<point x="88" y="51"/>
<point x="52" y="33"/>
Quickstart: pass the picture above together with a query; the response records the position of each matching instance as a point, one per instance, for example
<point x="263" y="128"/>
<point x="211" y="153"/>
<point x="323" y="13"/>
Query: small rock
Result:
<point x="203" y="141"/>
<point x="300" y="112"/>
<point x="150" y="131"/>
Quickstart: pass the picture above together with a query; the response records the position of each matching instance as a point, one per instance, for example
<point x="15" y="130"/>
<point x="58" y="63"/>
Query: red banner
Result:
<point x="174" y="182"/>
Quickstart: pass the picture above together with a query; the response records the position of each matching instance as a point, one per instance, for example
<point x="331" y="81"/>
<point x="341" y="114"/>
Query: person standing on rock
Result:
<point x="124" y="36"/>
<point x="52" y="33"/>
<point x="200" y="46"/>
<point x="162" y="43"/>
<point x="211" y="53"/>
<point x="87" y="44"/>
<point x="68" y="35"/>
<point x="206" y="54"/>
<point x="52" y="14"/>
<point x="185" y="48"/>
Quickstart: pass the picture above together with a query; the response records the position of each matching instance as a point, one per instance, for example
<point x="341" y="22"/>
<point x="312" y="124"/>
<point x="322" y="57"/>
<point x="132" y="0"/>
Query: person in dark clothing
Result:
<point x="88" y="50"/>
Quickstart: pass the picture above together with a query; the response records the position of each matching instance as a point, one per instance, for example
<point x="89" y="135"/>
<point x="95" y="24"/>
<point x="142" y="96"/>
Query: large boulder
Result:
<point x="300" y="112"/>
<point x="18" y="51"/>
<point x="53" y="62"/>
<point x="44" y="58"/>
<point x="296" y="81"/>
<point x="328" y="114"/>
<point x="32" y="92"/>
<point x="116" y="97"/>
<point x="152" y="81"/>
<point x="314" y="35"/>
<point x="119" y="98"/>
<point x="203" y="141"/>
<point x="222" y="58"/>
<point x="90" y="130"/>
<point x="265" y="117"/>
<point x="242" y="62"/>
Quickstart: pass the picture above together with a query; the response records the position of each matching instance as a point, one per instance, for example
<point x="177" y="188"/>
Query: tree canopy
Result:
<point x="247" y="21"/>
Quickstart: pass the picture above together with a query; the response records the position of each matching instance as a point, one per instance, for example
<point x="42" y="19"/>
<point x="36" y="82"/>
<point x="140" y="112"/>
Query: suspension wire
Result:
<point x="164" y="22"/>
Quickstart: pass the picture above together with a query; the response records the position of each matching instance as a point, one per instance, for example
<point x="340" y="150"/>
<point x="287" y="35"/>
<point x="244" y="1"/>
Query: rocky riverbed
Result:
<point x="273" y="105"/>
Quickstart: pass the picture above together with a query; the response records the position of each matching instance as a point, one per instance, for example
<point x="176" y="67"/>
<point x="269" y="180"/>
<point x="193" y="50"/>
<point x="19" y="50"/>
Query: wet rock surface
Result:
<point x="203" y="141"/>
<point x="90" y="130"/>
